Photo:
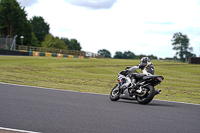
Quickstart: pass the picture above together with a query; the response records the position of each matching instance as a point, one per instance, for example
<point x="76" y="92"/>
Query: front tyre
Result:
<point x="148" y="97"/>
<point x="115" y="93"/>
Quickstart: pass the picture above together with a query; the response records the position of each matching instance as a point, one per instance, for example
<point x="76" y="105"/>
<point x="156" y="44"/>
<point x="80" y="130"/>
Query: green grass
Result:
<point x="181" y="83"/>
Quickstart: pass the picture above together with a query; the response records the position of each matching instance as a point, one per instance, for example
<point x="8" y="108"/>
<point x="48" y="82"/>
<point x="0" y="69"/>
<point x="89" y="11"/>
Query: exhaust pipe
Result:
<point x="157" y="92"/>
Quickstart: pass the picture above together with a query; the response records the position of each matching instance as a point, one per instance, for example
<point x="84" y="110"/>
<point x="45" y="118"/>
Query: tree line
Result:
<point x="124" y="55"/>
<point x="13" y="21"/>
<point x="180" y="43"/>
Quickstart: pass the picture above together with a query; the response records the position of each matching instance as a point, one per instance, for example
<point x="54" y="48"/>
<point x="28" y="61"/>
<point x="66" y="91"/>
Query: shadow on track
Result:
<point x="153" y="103"/>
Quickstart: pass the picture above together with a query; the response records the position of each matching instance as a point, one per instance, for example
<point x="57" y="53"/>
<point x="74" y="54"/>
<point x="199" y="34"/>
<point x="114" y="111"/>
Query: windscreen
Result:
<point x="134" y="71"/>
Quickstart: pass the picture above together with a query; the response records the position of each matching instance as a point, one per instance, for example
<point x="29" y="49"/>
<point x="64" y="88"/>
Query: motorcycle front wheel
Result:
<point x="115" y="93"/>
<point x="148" y="97"/>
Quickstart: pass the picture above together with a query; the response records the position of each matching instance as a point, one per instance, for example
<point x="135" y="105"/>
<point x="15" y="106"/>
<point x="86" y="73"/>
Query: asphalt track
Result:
<point x="54" y="111"/>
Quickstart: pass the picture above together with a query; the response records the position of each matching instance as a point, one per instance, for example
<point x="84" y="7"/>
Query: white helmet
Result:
<point x="144" y="60"/>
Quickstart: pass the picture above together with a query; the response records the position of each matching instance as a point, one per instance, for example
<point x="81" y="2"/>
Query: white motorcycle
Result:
<point x="144" y="91"/>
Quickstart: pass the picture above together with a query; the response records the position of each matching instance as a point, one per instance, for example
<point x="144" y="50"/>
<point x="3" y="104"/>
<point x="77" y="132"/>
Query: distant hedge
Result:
<point x="194" y="60"/>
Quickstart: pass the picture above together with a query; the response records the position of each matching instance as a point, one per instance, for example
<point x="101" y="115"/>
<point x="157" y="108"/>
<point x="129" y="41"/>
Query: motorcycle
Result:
<point x="144" y="92"/>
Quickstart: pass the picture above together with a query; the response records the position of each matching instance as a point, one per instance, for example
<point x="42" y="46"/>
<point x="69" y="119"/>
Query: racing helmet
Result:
<point x="144" y="60"/>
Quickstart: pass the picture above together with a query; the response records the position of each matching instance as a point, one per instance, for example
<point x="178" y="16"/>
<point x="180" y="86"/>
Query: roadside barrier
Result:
<point x="45" y="54"/>
<point x="53" y="50"/>
<point x="12" y="52"/>
<point x="91" y="58"/>
<point x="35" y="54"/>
<point x="48" y="55"/>
<point x="40" y="54"/>
<point x="71" y="56"/>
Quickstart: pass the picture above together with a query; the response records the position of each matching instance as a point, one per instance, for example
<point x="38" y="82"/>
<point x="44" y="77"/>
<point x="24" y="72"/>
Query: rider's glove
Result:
<point x="126" y="72"/>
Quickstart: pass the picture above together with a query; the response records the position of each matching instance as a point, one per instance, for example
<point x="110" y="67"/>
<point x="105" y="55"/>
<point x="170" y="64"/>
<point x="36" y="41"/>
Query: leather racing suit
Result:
<point x="147" y="69"/>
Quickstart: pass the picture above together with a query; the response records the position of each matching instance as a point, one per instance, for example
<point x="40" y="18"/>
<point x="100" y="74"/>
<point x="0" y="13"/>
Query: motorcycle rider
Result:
<point x="147" y="69"/>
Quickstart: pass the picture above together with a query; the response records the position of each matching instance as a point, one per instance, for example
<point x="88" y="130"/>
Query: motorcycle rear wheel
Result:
<point x="115" y="93"/>
<point x="148" y="97"/>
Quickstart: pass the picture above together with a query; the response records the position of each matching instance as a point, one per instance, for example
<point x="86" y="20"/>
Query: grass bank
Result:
<point x="182" y="80"/>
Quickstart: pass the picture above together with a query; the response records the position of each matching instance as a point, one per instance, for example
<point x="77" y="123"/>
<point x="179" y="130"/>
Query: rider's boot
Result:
<point x="122" y="90"/>
<point x="131" y="89"/>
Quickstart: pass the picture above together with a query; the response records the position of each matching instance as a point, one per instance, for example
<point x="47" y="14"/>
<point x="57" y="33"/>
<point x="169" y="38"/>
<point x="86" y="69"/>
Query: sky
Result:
<point x="140" y="26"/>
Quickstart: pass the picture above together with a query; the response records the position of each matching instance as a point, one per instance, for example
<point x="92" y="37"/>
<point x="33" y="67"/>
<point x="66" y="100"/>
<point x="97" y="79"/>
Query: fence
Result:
<point x="56" y="51"/>
<point x="6" y="43"/>
<point x="10" y="44"/>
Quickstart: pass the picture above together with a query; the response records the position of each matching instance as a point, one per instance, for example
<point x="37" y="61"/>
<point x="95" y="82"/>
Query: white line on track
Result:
<point x="86" y="92"/>
<point x="10" y="130"/>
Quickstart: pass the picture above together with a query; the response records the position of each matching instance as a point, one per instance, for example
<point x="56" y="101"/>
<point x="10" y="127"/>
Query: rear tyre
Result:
<point x="148" y="97"/>
<point x="115" y="93"/>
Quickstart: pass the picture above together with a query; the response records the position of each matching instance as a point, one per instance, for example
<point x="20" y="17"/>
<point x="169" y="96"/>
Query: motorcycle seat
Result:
<point x="139" y="76"/>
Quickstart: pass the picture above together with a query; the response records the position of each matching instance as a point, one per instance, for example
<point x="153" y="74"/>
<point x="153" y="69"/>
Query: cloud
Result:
<point x="163" y="23"/>
<point x="93" y="4"/>
<point x="160" y="32"/>
<point x="192" y="31"/>
<point x="27" y="3"/>
<point x="61" y="29"/>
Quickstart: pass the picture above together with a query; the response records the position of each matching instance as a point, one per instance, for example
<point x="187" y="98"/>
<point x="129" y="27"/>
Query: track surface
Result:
<point x="55" y="111"/>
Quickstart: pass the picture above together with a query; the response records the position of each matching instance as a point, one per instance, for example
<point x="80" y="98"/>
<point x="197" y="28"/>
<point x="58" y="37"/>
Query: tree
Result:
<point x="40" y="27"/>
<point x="34" y="41"/>
<point x="118" y="55"/>
<point x="13" y="21"/>
<point x="59" y="43"/>
<point x="181" y="45"/>
<point x="140" y="56"/>
<point x="53" y="42"/>
<point x="125" y="55"/>
<point x="151" y="57"/>
<point x="74" y="45"/>
<point x="128" y="55"/>
<point x="105" y="53"/>
<point x="66" y="41"/>
<point x="47" y="41"/>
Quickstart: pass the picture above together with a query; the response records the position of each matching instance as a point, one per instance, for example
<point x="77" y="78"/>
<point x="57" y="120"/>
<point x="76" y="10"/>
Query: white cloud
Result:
<point x="93" y="4"/>
<point x="27" y="3"/>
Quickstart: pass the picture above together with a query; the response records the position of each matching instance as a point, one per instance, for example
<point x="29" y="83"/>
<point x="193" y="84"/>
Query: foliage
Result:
<point x="34" y="41"/>
<point x="53" y="42"/>
<point x="72" y="44"/>
<point x="105" y="53"/>
<point x="65" y="40"/>
<point x="140" y="56"/>
<point x="128" y="55"/>
<point x="13" y="21"/>
<point x="40" y="27"/>
<point x="118" y="55"/>
<point x="131" y="55"/>
<point x="168" y="58"/>
<point x="181" y="44"/>
<point x="59" y="43"/>
<point x="152" y="57"/>
<point x="125" y="55"/>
